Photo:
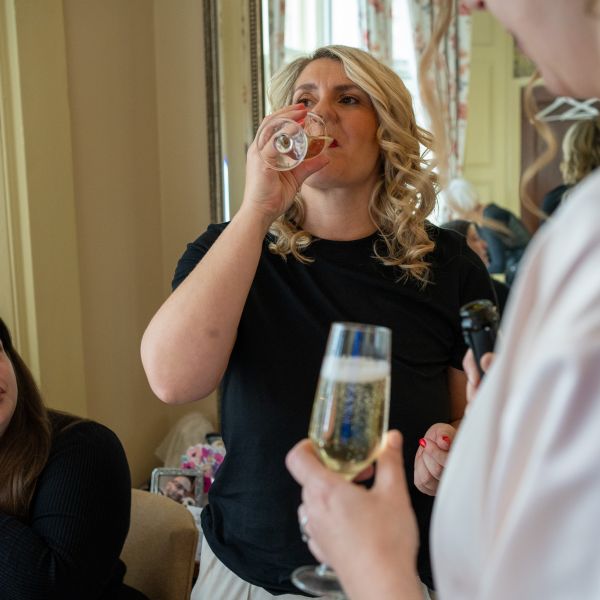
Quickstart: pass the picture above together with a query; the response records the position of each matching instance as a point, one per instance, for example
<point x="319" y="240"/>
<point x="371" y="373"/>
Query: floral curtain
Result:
<point x="451" y="76"/>
<point x="375" y="22"/>
<point x="276" y="35"/>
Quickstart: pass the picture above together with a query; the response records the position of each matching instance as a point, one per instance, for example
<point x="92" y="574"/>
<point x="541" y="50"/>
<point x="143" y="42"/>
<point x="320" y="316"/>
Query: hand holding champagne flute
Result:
<point x="349" y="416"/>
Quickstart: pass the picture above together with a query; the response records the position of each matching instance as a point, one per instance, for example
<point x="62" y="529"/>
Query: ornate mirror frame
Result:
<point x="245" y="17"/>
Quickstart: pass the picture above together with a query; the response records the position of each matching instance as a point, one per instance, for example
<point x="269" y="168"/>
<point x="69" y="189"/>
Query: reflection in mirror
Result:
<point x="246" y="42"/>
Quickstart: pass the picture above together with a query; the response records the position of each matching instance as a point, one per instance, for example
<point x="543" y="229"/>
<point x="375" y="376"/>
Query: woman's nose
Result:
<point x="324" y="109"/>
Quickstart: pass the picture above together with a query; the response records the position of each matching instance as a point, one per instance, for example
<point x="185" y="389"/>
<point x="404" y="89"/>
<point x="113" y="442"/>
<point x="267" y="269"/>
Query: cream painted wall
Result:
<point x="44" y="287"/>
<point x="181" y="111"/>
<point x="492" y="148"/>
<point x="113" y="185"/>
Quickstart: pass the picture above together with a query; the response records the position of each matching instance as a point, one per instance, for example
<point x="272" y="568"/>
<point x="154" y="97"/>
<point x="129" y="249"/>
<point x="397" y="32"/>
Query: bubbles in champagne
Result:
<point x="350" y="413"/>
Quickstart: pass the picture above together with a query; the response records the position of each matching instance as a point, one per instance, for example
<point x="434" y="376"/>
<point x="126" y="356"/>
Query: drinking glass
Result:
<point x="349" y="417"/>
<point x="283" y="143"/>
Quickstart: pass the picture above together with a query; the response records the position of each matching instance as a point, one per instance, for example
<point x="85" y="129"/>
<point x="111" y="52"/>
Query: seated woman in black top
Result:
<point x="65" y="496"/>
<point x="505" y="234"/>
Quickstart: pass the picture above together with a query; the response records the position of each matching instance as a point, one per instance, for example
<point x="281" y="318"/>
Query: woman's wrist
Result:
<point x="387" y="581"/>
<point x="255" y="217"/>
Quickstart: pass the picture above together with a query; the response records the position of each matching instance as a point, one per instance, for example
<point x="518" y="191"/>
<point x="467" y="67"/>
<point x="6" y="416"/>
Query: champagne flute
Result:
<point x="349" y="417"/>
<point x="283" y="143"/>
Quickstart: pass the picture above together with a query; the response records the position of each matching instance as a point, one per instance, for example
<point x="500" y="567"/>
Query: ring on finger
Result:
<point x="303" y="523"/>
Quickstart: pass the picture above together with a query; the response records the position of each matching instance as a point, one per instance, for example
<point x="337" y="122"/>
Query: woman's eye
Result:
<point x="348" y="100"/>
<point x="305" y="101"/>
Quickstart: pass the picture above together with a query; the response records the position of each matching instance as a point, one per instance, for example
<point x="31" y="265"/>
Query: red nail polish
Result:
<point x="446" y="438"/>
<point x="422" y="442"/>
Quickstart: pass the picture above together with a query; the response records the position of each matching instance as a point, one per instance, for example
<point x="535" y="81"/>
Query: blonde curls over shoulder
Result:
<point x="405" y="194"/>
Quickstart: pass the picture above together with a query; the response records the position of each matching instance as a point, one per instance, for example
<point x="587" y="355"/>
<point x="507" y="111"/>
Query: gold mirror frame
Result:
<point x="249" y="20"/>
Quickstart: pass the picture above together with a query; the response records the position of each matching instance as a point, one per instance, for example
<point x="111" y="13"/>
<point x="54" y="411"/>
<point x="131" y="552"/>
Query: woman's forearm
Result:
<point x="186" y="346"/>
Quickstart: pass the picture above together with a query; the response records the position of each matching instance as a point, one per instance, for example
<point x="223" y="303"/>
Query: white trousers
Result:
<point x="216" y="582"/>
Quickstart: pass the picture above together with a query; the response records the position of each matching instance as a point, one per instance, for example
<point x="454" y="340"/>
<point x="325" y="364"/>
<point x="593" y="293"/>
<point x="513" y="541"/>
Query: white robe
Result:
<point x="517" y="514"/>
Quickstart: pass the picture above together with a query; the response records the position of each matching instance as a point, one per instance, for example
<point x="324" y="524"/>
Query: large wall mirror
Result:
<point x="235" y="97"/>
<point x="241" y="55"/>
<point x="243" y="48"/>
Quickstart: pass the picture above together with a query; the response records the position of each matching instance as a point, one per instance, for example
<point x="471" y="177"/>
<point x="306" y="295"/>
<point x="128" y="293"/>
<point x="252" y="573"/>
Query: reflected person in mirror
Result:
<point x="581" y="155"/>
<point x="516" y="514"/>
<point x="341" y="237"/>
<point x="480" y="247"/>
<point x="504" y="233"/>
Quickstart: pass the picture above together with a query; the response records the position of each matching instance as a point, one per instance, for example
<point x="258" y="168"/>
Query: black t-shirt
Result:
<point x="269" y="385"/>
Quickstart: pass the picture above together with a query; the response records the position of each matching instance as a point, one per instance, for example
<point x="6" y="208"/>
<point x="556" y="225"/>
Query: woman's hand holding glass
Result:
<point x="343" y="519"/>
<point x="268" y="189"/>
<point x="349" y="417"/>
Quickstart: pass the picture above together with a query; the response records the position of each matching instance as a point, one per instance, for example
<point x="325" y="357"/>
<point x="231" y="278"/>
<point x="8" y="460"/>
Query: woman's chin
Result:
<point x="566" y="86"/>
<point x="321" y="180"/>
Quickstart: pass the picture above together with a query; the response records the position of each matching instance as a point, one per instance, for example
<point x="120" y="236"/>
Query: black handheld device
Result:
<point x="479" y="321"/>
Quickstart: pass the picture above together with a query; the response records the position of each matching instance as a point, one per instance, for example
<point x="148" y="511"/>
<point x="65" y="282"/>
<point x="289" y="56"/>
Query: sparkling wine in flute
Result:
<point x="349" y="417"/>
<point x="350" y="412"/>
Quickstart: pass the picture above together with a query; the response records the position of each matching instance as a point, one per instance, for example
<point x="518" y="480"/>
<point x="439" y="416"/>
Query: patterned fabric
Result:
<point x="276" y="35"/>
<point x="375" y="22"/>
<point x="451" y="77"/>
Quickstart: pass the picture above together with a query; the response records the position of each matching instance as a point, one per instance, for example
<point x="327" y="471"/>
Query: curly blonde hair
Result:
<point x="404" y="195"/>
<point x="581" y="150"/>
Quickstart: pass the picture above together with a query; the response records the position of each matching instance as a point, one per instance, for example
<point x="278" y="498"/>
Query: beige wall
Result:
<point x="44" y="288"/>
<point x="105" y="183"/>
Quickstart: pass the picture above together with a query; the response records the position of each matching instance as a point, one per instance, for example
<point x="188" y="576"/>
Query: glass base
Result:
<point x="318" y="580"/>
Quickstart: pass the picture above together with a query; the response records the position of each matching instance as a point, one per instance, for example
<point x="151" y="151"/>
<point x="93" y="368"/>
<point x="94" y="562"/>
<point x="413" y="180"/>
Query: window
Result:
<point x="310" y="24"/>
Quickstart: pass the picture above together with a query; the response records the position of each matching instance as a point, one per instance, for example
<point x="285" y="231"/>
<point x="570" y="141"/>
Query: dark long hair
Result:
<point x="25" y="444"/>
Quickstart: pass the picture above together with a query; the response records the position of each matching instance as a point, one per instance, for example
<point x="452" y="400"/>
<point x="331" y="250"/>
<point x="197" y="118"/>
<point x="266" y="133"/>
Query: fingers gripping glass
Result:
<point x="349" y="417"/>
<point x="283" y="143"/>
